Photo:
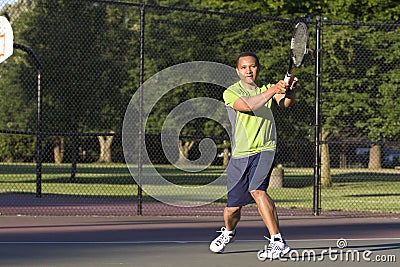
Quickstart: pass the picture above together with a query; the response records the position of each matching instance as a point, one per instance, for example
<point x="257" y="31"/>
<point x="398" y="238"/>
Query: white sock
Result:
<point x="277" y="237"/>
<point x="229" y="232"/>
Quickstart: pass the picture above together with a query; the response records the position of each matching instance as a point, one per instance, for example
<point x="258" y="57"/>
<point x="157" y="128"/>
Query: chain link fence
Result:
<point x="64" y="111"/>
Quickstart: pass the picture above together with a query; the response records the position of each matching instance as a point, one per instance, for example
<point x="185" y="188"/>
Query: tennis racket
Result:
<point x="6" y="39"/>
<point x="298" y="48"/>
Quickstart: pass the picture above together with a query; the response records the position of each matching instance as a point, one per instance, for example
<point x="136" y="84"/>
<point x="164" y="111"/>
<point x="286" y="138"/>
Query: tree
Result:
<point x="179" y="37"/>
<point x="351" y="102"/>
<point x="85" y="72"/>
<point x="119" y="46"/>
<point x="356" y="82"/>
<point x="17" y="107"/>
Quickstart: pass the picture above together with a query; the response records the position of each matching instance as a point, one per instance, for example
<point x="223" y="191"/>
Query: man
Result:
<point x="253" y="151"/>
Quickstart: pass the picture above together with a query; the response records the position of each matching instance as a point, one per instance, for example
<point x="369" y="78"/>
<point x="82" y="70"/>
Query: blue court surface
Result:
<point x="183" y="241"/>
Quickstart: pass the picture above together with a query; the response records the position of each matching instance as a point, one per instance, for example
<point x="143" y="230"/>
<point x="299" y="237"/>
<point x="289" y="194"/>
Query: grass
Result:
<point x="358" y="190"/>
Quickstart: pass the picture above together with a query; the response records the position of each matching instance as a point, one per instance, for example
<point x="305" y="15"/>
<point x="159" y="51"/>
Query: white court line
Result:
<point x="193" y="241"/>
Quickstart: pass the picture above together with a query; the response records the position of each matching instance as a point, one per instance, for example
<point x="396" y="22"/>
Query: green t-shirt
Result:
<point x="252" y="132"/>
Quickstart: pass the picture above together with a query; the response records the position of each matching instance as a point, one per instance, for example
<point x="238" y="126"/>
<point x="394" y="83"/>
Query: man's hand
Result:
<point x="292" y="82"/>
<point x="280" y="87"/>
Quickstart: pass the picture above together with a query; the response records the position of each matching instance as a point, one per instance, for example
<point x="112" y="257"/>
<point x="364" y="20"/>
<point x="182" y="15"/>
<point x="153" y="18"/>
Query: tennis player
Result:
<point x="253" y="150"/>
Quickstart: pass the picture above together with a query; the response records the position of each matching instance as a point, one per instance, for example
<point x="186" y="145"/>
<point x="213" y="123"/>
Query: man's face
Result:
<point x="247" y="69"/>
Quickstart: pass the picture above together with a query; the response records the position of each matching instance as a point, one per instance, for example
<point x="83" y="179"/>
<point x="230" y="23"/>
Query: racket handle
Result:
<point x="288" y="76"/>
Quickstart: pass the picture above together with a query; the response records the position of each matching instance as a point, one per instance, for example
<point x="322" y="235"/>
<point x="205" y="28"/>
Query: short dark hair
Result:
<point x="248" y="54"/>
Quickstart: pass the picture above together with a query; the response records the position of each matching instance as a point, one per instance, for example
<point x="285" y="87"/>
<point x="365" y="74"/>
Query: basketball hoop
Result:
<point x="6" y="39"/>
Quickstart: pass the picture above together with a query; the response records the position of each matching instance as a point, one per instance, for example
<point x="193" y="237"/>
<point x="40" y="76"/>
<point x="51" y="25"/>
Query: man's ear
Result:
<point x="237" y="71"/>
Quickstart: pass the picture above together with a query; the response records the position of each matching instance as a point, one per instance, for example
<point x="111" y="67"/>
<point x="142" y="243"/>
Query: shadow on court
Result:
<point x="183" y="241"/>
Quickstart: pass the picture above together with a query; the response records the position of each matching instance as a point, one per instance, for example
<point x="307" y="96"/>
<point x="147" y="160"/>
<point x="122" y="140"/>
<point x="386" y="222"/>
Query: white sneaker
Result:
<point x="219" y="243"/>
<point x="274" y="250"/>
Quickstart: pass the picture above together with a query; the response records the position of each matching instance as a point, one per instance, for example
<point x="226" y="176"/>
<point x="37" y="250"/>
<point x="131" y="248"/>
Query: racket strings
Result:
<point x="299" y="45"/>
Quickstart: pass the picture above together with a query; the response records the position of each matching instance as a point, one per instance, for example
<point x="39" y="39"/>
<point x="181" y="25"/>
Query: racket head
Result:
<point x="6" y="39"/>
<point x="299" y="44"/>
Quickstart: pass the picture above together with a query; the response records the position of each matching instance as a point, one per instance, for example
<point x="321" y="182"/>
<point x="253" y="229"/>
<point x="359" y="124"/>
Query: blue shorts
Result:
<point x="247" y="174"/>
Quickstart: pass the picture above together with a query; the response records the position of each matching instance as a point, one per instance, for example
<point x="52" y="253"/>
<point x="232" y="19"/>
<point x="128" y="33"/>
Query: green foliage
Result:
<point x="360" y="87"/>
<point x="17" y="110"/>
<point x="17" y="148"/>
<point x="362" y="10"/>
<point x="81" y="68"/>
<point x="90" y="57"/>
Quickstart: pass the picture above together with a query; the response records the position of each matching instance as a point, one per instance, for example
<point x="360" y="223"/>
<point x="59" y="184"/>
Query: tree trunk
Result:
<point x="105" y="148"/>
<point x="58" y="151"/>
<point x="375" y="157"/>
<point x="326" y="178"/>
<point x="184" y="148"/>
<point x="343" y="156"/>
<point x="225" y="155"/>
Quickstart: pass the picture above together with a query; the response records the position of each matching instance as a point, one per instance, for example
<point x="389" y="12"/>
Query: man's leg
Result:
<point x="267" y="210"/>
<point x="232" y="217"/>
<point x="266" y="207"/>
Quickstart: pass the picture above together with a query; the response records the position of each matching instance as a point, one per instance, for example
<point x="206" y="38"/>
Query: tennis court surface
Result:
<point x="183" y="241"/>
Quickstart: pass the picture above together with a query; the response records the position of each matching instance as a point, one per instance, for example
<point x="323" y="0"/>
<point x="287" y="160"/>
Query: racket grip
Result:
<point x="287" y="77"/>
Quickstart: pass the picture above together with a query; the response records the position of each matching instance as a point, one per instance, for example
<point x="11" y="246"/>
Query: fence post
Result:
<point x="39" y="119"/>
<point x="317" y="170"/>
<point x="141" y="126"/>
